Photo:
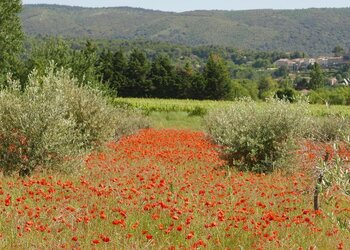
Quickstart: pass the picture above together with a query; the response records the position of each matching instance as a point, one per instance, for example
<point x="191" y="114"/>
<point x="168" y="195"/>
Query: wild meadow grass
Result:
<point x="173" y="119"/>
<point x="169" y="189"/>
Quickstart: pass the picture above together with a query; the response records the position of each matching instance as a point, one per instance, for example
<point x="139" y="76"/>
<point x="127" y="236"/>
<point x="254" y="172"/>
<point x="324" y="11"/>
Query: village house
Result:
<point x="303" y="63"/>
<point x="335" y="60"/>
<point x="294" y="64"/>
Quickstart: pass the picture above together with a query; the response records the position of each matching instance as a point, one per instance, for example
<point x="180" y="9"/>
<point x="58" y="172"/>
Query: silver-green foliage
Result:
<point x="331" y="127"/>
<point x="52" y="123"/>
<point x="335" y="173"/>
<point x="257" y="137"/>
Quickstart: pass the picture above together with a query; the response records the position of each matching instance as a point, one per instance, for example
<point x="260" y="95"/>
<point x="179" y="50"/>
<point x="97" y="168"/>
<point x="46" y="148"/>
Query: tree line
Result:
<point x="160" y="70"/>
<point x="136" y="76"/>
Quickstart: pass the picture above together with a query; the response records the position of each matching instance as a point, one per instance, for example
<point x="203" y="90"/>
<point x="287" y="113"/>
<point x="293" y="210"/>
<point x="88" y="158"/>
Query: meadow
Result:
<point x="167" y="187"/>
<point x="80" y="169"/>
<point x="200" y="107"/>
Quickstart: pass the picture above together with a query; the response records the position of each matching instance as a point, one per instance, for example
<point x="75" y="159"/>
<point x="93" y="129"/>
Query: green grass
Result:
<point x="188" y="114"/>
<point x="197" y="107"/>
<point x="179" y="119"/>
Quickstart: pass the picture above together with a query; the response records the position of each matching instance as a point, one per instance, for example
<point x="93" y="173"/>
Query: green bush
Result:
<point x="129" y="121"/>
<point x="198" y="111"/>
<point x="288" y="94"/>
<point x="52" y="123"/>
<point x="331" y="95"/>
<point x="329" y="128"/>
<point x="257" y="137"/>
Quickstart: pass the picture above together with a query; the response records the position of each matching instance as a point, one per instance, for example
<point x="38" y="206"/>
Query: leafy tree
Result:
<point x="162" y="75"/>
<point x="261" y="63"/>
<point x="137" y="70"/>
<point x="282" y="71"/>
<point x="301" y="83"/>
<point x="184" y="80"/>
<point x="245" y="72"/>
<point x="338" y="51"/>
<point x="317" y="77"/>
<point x="266" y="87"/>
<point x="238" y="90"/>
<point x="288" y="94"/>
<point x="343" y="72"/>
<point x="11" y="37"/>
<point x="81" y="62"/>
<point x="197" y="88"/>
<point x="218" y="81"/>
<point x="105" y="65"/>
<point x="51" y="49"/>
<point x="244" y="88"/>
<point x="285" y="83"/>
<point x="84" y="62"/>
<point x="252" y="87"/>
<point x="119" y="64"/>
<point x="113" y="69"/>
<point x="297" y="54"/>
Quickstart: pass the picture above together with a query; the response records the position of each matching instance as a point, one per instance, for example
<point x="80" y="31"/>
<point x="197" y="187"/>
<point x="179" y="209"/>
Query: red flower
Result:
<point x="190" y="235"/>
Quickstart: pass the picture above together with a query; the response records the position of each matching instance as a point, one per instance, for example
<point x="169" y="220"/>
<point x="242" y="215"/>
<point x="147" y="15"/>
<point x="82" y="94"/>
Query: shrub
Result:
<point x="287" y="94"/>
<point x="331" y="95"/>
<point x="52" y="123"/>
<point x="129" y="121"/>
<point x="257" y="137"/>
<point x="198" y="111"/>
<point x="329" y="128"/>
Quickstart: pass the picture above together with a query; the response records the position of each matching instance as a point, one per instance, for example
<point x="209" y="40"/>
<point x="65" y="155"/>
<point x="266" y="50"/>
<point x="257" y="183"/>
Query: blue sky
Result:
<point x="185" y="5"/>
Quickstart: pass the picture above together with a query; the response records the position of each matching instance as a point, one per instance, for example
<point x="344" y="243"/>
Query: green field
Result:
<point x="199" y="108"/>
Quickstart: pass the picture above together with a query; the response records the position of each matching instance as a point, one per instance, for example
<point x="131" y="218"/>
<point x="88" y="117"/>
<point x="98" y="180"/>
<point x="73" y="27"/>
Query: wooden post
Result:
<point x="318" y="185"/>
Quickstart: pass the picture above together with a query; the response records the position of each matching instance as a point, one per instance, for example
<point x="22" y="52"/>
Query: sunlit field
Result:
<point x="169" y="189"/>
<point x="131" y="128"/>
<point x="200" y="107"/>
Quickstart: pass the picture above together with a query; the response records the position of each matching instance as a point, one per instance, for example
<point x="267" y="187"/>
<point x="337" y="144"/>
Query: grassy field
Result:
<point x="175" y="119"/>
<point x="197" y="107"/>
<point x="168" y="188"/>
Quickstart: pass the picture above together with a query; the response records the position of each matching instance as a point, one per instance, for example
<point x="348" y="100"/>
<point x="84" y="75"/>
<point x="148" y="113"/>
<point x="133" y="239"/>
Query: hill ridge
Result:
<point x="315" y="30"/>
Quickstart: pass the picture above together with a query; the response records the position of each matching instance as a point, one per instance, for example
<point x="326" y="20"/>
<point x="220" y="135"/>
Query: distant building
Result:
<point x="309" y="61"/>
<point x="294" y="64"/>
<point x="335" y="60"/>
<point x="303" y="63"/>
<point x="322" y="61"/>
<point x="333" y="81"/>
<point x="330" y="61"/>
<point x="282" y="62"/>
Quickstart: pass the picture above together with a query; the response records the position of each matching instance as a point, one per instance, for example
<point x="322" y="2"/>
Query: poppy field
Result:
<point x="169" y="189"/>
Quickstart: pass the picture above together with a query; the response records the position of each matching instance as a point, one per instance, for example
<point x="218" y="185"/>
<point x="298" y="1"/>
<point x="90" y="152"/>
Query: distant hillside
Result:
<point x="315" y="31"/>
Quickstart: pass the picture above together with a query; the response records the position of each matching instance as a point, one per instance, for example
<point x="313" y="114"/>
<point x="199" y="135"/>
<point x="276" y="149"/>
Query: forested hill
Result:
<point x="315" y="31"/>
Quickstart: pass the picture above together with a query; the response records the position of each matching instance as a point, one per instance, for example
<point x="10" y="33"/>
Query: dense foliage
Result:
<point x="146" y="69"/>
<point x="53" y="121"/>
<point x="256" y="138"/>
<point x="315" y="31"/>
<point x="11" y="37"/>
<point x="327" y="95"/>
